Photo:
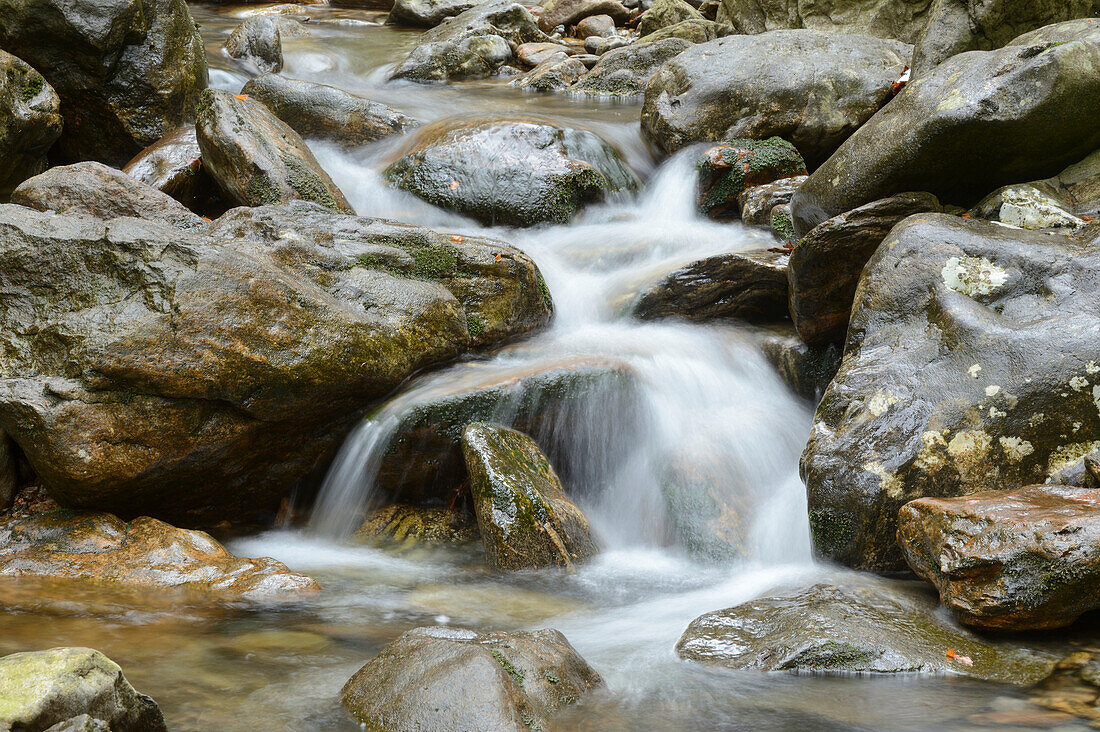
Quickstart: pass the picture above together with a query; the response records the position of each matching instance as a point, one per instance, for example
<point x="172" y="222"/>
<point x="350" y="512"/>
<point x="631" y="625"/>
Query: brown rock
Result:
<point x="571" y="12"/>
<point x="173" y="165"/>
<point x="757" y="202"/>
<point x="596" y="25"/>
<point x="30" y="121"/>
<point x="533" y="54"/>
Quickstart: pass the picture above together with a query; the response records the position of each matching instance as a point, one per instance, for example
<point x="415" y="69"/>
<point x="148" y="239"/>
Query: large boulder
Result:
<point x="825" y="265"/>
<point x="185" y="375"/>
<point x="402" y="526"/>
<point x="904" y="20"/>
<point x="695" y="30"/>
<point x="30" y="122"/>
<point x="525" y="518"/>
<point x="829" y="629"/>
<point x="101" y="548"/>
<point x="809" y="87"/>
<point x="256" y="158"/>
<point x="514" y="172"/>
<point x="967" y="127"/>
<point x="971" y="364"/>
<point x="39" y="690"/>
<point x="665" y="13"/>
<point x="127" y="71"/>
<point x="426" y="13"/>
<point x="438" y="679"/>
<point x="173" y="165"/>
<point x="319" y="111"/>
<point x="473" y="44"/>
<point x="1018" y="560"/>
<point x="258" y="41"/>
<point x="624" y="72"/>
<point x="95" y="190"/>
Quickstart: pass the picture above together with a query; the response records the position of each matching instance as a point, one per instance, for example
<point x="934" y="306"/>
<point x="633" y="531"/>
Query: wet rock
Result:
<point x="426" y="13"/>
<point x="599" y="46"/>
<point x="970" y="365"/>
<point x="9" y="471"/>
<point x="258" y="41"/>
<point x="210" y="372"/>
<point x="571" y="12"/>
<point x="30" y="122"/>
<point x="513" y="172"/>
<point x="749" y="285"/>
<point x="256" y="158"/>
<point x="596" y="25"/>
<point x="126" y="72"/>
<point x="758" y="202"/>
<point x="411" y="526"/>
<point x="319" y="111"/>
<point x="552" y="76"/>
<point x="694" y="30"/>
<point x="758" y="86"/>
<point x="473" y="44"/>
<point x="1072" y="688"/>
<point x="83" y="723"/>
<point x="1026" y="559"/>
<point x="807" y="370"/>
<point x="726" y="171"/>
<point x="625" y="71"/>
<point x="450" y="679"/>
<point x="173" y="165"/>
<point x="964" y="129"/>
<point x="904" y="20"/>
<point x="534" y="54"/>
<point x="829" y="629"/>
<point x="52" y="689"/>
<point x="99" y="547"/>
<point x="95" y="190"/>
<point x="525" y="518"/>
<point x="708" y="517"/>
<point x="1032" y="206"/>
<point x="1084" y="472"/>
<point x="665" y="13"/>
<point x="826" y="263"/>
<point x="956" y="26"/>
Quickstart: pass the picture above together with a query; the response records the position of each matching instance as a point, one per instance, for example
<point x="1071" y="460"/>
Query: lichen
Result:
<point x="307" y="184"/>
<point x="508" y="667"/>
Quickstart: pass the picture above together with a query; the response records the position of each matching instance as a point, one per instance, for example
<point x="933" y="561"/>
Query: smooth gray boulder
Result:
<point x="258" y="41"/>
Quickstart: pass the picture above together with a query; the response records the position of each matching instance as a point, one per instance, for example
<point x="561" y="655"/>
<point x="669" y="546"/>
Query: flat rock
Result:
<point x="555" y="75"/>
<point x="30" y="121"/>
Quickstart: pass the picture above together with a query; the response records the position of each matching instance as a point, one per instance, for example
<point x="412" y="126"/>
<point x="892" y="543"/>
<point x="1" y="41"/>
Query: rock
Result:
<point x="985" y="135"/>
<point x="47" y="688"/>
<point x="173" y="165"/>
<point x="749" y="285"/>
<point x="510" y="171"/>
<point x="625" y="71"/>
<point x="904" y="20"/>
<point x="826" y="264"/>
<point x="30" y="122"/>
<point x="726" y="171"/>
<point x="551" y="76"/>
<point x="708" y="515"/>
<point x="83" y="723"/>
<point x="450" y="679"/>
<point x="829" y="629"/>
<point x="9" y="471"/>
<point x="426" y="13"/>
<point x="409" y="526"/>
<point x="599" y="46"/>
<point x="596" y="25"/>
<point x="571" y="12"/>
<point x="533" y="54"/>
<point x="473" y="44"/>
<point x="258" y="41"/>
<point x="969" y="366"/>
<point x="1084" y="472"/>
<point x="1032" y="206"/>
<point x="757" y="202"/>
<point x="1071" y="688"/>
<point x="807" y="370"/>
<point x="665" y="13"/>
<point x="1080" y="183"/>
<point x="210" y="372"/>
<point x="256" y="158"/>
<point x="318" y="111"/>
<point x="95" y="190"/>
<point x="760" y="86"/>
<point x="1026" y="559"/>
<point x="525" y="518"/>
<point x="694" y="30"/>
<point x="126" y="72"/>
<point x="956" y="26"/>
<point x="101" y="548"/>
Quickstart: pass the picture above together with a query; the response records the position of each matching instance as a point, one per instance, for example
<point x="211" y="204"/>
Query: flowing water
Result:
<point x="700" y="395"/>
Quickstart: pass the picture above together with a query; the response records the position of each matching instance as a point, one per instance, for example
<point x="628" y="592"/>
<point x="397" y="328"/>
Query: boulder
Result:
<point x="625" y="71"/>
<point x="407" y="527"/>
<point x="127" y="72"/>
<point x="473" y="44"/>
<point x="571" y="12"/>
<point x="145" y="552"/>
<point x="30" y="122"/>
<point x="809" y="87"/>
<point x="807" y="370"/>
<point x="551" y="76"/>
<point x="45" y="689"/>
<point x="826" y="264"/>
<point x="173" y="165"/>
<point x="426" y="13"/>
<point x="9" y="471"/>
<point x="318" y="111"/>
<point x="726" y="171"/>
<point x="435" y="679"/>
<point x="966" y="128"/>
<point x="970" y="365"/>
<point x="82" y="723"/>
<point x="534" y="54"/>
<point x="525" y="518"/>
<point x="665" y="13"/>
<point x="95" y="190"/>
<point x="709" y="515"/>
<point x="904" y="20"/>
<point x="1084" y="472"/>
<point x="750" y="285"/>
<point x="757" y="202"/>
<point x="602" y="26"/>
<point x="597" y="46"/>
<point x="1033" y="206"/>
<point x="1072" y="688"/>
<point x="1027" y="559"/>
<point x="256" y="158"/>
<point x="830" y="629"/>
<point x="258" y="41"/>
<point x="208" y="373"/>
<point x="695" y="30"/>
<point x="514" y="172"/>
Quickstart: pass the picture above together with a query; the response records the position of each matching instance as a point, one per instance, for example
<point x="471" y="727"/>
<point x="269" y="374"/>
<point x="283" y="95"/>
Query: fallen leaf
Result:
<point x="959" y="658"/>
<point x="1088" y="218"/>
<point x="902" y="80"/>
<point x="457" y="239"/>
<point x="497" y="257"/>
<point x="242" y="97"/>
<point x="966" y="216"/>
<point x="207" y="218"/>
<point x="454" y="184"/>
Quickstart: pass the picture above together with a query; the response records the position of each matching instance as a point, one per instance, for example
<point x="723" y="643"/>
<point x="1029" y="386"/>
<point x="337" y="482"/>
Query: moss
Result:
<point x="728" y="169"/>
<point x="33" y="86"/>
<point x="509" y="669"/>
<point x="307" y="184"/>
<point x="830" y="533"/>
<point x="475" y="326"/>
<point x="530" y="721"/>
<point x="435" y="262"/>
<point x="544" y="290"/>
<point x="259" y="193"/>
<point x="782" y="223"/>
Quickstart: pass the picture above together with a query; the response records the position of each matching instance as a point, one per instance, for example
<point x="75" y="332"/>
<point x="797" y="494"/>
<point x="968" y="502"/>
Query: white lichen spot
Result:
<point x="890" y="483"/>
<point x="880" y="402"/>
<point x="995" y="413"/>
<point x="1076" y="427"/>
<point x="1036" y="419"/>
<point x="1066" y="454"/>
<point x="969" y="449"/>
<point x="1092" y="368"/>
<point x="931" y="457"/>
<point x="1011" y="400"/>
<point x="1077" y="383"/>
<point x="973" y="275"/>
<point x="1015" y="448"/>
<point x="992" y="390"/>
<point x="974" y="370"/>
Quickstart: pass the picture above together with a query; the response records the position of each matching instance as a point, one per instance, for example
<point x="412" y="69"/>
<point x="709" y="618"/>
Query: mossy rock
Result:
<point x="624" y="72"/>
<point x="30" y="122"/>
<point x="408" y="527"/>
<point x="726" y="171"/>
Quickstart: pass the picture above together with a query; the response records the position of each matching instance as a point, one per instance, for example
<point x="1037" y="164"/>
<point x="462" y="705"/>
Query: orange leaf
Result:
<point x="950" y="652"/>
<point x="456" y="238"/>
<point x="207" y="218"/>
<point x="242" y="97"/>
<point x="966" y="216"/>
<point x="1087" y="218"/>
<point x="454" y="184"/>
<point x="497" y="257"/>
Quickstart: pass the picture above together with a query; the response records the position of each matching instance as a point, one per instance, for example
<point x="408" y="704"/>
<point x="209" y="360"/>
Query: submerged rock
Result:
<point x="525" y="518"/>
<point x="126" y="72"/>
<point x="1018" y="560"/>
<point x="30" y="122"/>
<point x="510" y="171"/>
<point x="410" y="526"/>
<point x="256" y="158"/>
<point x="625" y="71"/>
<point x="173" y="165"/>
<point x="970" y="365"/>
<point x="426" y="13"/>
<point x="708" y="517"/>
<point x="811" y="88"/>
<point x="436" y="679"/>
<point x="726" y="171"/>
<point x="72" y="689"/>
<point x="1072" y="688"/>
